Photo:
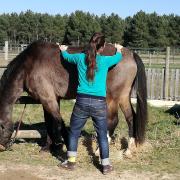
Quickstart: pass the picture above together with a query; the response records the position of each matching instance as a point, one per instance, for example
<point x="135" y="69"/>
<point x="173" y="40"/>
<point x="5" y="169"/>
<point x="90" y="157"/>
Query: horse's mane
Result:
<point x="11" y="68"/>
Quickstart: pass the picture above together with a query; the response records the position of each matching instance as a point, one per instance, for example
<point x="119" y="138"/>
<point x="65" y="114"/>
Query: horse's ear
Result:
<point x="118" y="47"/>
<point x="66" y="41"/>
<point x="58" y="45"/>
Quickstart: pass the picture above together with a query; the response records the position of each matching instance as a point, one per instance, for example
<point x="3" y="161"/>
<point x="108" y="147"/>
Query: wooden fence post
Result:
<point x="166" y="82"/>
<point x="6" y="50"/>
<point x="150" y="59"/>
<point x="176" y="93"/>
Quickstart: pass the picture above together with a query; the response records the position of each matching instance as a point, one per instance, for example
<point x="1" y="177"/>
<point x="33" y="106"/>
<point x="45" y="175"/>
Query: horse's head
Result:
<point x="6" y="131"/>
<point x="2" y="148"/>
<point x="109" y="50"/>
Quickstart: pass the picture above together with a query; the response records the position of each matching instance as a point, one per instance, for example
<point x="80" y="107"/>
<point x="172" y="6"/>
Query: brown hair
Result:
<point x="96" y="42"/>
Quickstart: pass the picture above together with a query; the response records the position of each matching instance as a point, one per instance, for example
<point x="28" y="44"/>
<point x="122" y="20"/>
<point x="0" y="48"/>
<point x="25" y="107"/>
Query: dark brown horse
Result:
<point x="41" y="71"/>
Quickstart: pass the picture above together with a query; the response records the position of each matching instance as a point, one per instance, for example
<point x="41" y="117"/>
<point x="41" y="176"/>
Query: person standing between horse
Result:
<point x="91" y="97"/>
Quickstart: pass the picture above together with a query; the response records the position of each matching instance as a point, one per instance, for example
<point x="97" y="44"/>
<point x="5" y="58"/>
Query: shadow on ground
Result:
<point x="175" y="111"/>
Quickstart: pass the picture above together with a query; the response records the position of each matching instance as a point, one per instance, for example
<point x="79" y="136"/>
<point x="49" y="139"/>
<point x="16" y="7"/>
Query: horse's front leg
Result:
<point x="50" y="136"/>
<point x="55" y="127"/>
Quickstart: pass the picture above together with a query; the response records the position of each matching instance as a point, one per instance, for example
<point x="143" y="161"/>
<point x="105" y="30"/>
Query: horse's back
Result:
<point x="46" y="63"/>
<point x="45" y="68"/>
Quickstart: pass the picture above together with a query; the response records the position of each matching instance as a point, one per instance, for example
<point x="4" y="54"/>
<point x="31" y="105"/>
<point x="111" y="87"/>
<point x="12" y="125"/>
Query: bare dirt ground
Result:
<point x="42" y="166"/>
<point x="9" y="170"/>
<point x="26" y="172"/>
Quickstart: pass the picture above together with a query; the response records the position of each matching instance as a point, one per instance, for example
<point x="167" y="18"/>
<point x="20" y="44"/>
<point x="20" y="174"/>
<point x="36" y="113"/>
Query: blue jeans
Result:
<point x="84" y="108"/>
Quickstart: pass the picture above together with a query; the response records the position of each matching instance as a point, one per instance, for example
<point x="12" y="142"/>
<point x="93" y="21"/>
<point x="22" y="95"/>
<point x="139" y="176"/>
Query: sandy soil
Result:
<point x="27" y="172"/>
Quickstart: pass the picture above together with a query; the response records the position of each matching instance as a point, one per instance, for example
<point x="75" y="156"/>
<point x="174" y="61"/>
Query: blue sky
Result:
<point x="123" y="8"/>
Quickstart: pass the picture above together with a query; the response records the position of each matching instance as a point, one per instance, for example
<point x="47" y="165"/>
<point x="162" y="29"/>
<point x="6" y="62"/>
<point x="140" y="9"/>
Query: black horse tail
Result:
<point x="140" y="120"/>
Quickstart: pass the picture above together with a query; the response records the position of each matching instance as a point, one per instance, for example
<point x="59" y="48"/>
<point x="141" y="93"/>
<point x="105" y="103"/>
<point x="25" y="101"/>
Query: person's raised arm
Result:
<point x="72" y="58"/>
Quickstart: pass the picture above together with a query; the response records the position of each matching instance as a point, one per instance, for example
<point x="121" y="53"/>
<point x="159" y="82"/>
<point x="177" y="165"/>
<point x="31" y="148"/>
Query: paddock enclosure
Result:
<point x="162" y="71"/>
<point x="157" y="159"/>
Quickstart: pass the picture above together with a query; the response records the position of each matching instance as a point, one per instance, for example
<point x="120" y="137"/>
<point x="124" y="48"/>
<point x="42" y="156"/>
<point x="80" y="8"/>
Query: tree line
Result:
<point x="141" y="30"/>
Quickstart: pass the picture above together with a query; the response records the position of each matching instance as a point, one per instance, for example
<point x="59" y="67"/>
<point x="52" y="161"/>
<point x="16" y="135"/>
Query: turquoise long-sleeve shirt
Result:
<point x="97" y="87"/>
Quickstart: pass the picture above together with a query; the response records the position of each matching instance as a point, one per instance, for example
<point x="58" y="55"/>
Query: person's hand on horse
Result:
<point x="118" y="47"/>
<point x="63" y="47"/>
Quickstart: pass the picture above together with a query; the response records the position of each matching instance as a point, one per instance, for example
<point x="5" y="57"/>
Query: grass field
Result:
<point x="160" y="154"/>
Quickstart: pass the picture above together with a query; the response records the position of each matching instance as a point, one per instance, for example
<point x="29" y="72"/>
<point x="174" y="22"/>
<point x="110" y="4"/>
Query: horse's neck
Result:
<point x="10" y="92"/>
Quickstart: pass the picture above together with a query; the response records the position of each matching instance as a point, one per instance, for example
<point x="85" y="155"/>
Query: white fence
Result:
<point x="156" y="84"/>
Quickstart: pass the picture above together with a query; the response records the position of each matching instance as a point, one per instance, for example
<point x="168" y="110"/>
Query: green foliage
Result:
<point x="137" y="34"/>
<point x="4" y="24"/>
<point x="80" y="27"/>
<point x="112" y="27"/>
<point x="173" y="30"/>
<point x="158" y="30"/>
<point x="140" y="31"/>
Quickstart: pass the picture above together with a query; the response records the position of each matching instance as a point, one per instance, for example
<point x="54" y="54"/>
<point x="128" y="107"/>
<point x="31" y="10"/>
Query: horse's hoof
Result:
<point x="2" y="148"/>
<point x="132" y="145"/>
<point x="45" y="149"/>
<point x="128" y="154"/>
<point x="97" y="153"/>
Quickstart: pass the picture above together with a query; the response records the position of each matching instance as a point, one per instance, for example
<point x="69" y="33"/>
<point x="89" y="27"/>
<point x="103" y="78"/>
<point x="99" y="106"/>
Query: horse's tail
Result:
<point x="140" y="120"/>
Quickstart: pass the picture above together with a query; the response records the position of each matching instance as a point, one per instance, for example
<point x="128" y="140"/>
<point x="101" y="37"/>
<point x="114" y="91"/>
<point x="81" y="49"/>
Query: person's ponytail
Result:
<point x="91" y="61"/>
<point x="96" y="42"/>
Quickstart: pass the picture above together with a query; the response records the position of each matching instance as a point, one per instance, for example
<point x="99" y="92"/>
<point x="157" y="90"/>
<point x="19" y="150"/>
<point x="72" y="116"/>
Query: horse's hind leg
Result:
<point x="112" y="119"/>
<point x="112" y="108"/>
<point x="127" y="109"/>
